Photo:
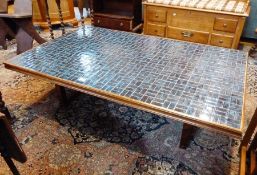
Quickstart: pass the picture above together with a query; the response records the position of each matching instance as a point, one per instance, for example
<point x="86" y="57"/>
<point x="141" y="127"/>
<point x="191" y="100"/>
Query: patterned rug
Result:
<point x="95" y="136"/>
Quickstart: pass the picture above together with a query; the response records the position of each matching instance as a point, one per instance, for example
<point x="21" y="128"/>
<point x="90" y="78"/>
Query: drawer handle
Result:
<point x="187" y="34"/>
<point x="155" y="31"/>
<point x="121" y="24"/>
<point x="220" y="41"/>
<point x="156" y="15"/>
<point x="98" y="21"/>
<point x="225" y="25"/>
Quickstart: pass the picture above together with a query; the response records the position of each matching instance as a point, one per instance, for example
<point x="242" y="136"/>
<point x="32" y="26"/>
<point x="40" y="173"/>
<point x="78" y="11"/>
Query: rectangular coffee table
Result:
<point x="199" y="85"/>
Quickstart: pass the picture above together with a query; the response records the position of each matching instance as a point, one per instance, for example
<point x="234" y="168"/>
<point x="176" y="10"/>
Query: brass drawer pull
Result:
<point x="156" y="15"/>
<point x="98" y="21"/>
<point x="121" y="24"/>
<point x="225" y="25"/>
<point x="155" y="31"/>
<point x="220" y="41"/>
<point x="187" y="34"/>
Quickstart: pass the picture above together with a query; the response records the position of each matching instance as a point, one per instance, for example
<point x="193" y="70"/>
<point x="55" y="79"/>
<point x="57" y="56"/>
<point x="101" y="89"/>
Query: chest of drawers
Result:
<point x="212" y="27"/>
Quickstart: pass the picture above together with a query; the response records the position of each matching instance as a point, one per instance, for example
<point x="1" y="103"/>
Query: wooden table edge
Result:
<point x="244" y="94"/>
<point x="233" y="132"/>
<point x="15" y="15"/>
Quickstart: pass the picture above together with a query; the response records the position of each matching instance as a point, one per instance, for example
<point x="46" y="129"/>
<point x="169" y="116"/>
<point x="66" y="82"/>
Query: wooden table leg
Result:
<point x="3" y="108"/>
<point x="61" y="94"/>
<point x="187" y="135"/>
<point x="24" y="41"/>
<point x="81" y="4"/>
<point x="27" y="25"/>
<point x="5" y="30"/>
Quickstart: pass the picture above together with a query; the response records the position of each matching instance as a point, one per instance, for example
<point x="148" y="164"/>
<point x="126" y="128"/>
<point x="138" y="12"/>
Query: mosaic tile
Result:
<point x="202" y="81"/>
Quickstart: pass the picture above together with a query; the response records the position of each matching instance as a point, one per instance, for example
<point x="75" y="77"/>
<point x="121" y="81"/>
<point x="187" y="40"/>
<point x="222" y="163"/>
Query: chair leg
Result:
<point x="49" y="20"/>
<point x="24" y="41"/>
<point x="27" y="25"/>
<point x="11" y="165"/>
<point x="8" y="161"/>
<point x="81" y="6"/>
<point x="58" y="2"/>
<point x="3" y="108"/>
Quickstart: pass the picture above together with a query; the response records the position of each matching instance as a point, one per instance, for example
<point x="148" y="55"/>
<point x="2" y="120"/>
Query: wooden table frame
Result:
<point x="248" y="148"/>
<point x="190" y="122"/>
<point x="189" y="125"/>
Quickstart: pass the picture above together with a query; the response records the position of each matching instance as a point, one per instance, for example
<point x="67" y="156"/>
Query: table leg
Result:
<point x="187" y="135"/>
<point x="27" y="25"/>
<point x="3" y="108"/>
<point x="61" y="94"/>
<point x="4" y="30"/>
<point x="24" y="41"/>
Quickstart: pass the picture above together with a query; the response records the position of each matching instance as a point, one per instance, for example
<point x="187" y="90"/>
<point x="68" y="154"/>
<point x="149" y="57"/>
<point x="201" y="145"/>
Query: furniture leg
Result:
<point x="3" y="108"/>
<point x="58" y="2"/>
<point x="81" y="6"/>
<point x="10" y="164"/>
<point x="3" y="34"/>
<point x="24" y="41"/>
<point x="4" y="30"/>
<point x="27" y="25"/>
<point x="49" y="20"/>
<point x="187" y="135"/>
<point x="9" y="145"/>
<point x="61" y="94"/>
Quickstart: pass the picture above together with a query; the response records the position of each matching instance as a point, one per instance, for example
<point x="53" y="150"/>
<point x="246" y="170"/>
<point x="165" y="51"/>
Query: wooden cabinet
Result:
<point x="123" y="15"/>
<point x="39" y="15"/>
<point x="190" y="24"/>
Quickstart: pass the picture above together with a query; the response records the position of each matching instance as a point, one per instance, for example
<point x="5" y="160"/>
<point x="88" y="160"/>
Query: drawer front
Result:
<point x="189" y="19"/>
<point x="188" y="35"/>
<point x="156" y="14"/>
<point x="112" y="23"/>
<point x="226" y="25"/>
<point x="221" y="40"/>
<point x="156" y="29"/>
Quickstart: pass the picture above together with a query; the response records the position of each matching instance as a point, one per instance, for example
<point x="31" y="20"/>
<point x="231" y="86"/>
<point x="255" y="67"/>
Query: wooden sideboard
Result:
<point x="39" y="13"/>
<point x="123" y="15"/>
<point x="217" y="28"/>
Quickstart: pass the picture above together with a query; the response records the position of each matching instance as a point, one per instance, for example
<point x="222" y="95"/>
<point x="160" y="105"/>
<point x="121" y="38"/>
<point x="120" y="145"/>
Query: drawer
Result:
<point x="221" y="40"/>
<point x="156" y="29"/>
<point x="188" y="35"/>
<point x="113" y="23"/>
<point x="156" y="14"/>
<point x="226" y="25"/>
<point x="189" y="19"/>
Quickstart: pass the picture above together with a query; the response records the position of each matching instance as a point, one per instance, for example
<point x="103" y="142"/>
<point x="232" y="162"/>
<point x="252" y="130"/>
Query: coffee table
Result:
<point x="199" y="85"/>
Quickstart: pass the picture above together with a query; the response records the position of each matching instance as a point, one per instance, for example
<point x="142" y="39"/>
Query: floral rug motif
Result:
<point x="152" y="166"/>
<point x="92" y="119"/>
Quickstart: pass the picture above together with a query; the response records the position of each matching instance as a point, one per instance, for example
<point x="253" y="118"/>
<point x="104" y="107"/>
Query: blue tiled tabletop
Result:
<point x="198" y="82"/>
